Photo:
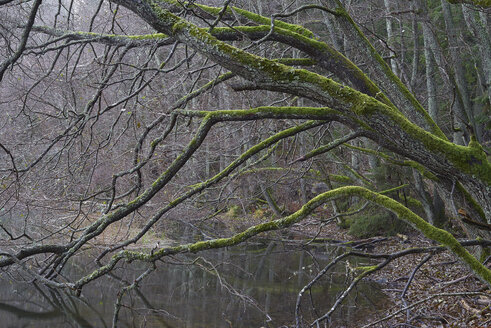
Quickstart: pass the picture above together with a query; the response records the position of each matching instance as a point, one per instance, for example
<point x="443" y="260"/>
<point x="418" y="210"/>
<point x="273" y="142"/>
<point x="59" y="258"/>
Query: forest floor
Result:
<point x="441" y="293"/>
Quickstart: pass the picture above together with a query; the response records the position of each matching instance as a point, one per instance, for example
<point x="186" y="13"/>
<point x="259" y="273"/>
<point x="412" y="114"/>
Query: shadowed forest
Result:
<point x="234" y="163"/>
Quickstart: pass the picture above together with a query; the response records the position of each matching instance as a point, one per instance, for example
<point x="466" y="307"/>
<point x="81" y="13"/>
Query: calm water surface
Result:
<point x="255" y="286"/>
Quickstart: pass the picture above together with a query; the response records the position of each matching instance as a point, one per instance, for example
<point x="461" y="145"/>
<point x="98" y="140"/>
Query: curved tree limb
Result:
<point x="395" y="131"/>
<point x="439" y="235"/>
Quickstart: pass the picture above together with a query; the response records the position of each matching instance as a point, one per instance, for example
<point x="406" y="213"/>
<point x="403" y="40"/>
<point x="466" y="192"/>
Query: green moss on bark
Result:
<point x="471" y="160"/>
<point x="481" y="3"/>
<point x="439" y="235"/>
<point x="391" y="76"/>
<point x="340" y="178"/>
<point x="232" y="10"/>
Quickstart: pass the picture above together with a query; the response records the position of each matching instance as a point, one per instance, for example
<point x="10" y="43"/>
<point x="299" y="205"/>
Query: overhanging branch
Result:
<point x="439" y="235"/>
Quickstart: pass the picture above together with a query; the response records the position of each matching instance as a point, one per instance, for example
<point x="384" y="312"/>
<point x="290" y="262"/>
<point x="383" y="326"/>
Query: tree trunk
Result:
<point x="430" y="65"/>
<point x="461" y="85"/>
<point x="390" y="36"/>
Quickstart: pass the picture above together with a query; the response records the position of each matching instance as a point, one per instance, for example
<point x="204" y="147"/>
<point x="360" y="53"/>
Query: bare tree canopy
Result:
<point x="122" y="118"/>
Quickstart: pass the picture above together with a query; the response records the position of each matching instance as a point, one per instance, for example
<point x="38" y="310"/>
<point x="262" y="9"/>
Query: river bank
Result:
<point x="427" y="289"/>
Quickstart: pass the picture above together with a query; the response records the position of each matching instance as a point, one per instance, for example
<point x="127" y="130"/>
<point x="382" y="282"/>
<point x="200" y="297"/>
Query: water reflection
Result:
<point x="250" y="286"/>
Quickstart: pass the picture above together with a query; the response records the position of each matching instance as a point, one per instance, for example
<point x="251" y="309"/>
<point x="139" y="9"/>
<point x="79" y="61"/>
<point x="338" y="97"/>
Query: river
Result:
<point x="248" y="286"/>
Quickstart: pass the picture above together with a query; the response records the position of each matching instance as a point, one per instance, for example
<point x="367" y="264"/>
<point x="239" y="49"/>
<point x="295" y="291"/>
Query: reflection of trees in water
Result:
<point x="248" y="285"/>
<point x="220" y="288"/>
<point x="20" y="313"/>
<point x="58" y="306"/>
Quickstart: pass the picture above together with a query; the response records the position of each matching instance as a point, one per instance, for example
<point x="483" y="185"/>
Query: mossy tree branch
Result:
<point x="132" y="115"/>
<point x="469" y="164"/>
<point x="130" y="41"/>
<point x="195" y="189"/>
<point x="480" y="3"/>
<point x="439" y="235"/>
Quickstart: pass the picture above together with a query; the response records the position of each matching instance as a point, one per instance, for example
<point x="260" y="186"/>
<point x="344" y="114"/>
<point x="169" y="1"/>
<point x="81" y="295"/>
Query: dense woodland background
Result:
<point x="106" y="132"/>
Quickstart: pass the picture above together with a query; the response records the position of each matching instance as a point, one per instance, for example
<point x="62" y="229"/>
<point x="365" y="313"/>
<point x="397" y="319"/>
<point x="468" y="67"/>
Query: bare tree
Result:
<point x="111" y="125"/>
